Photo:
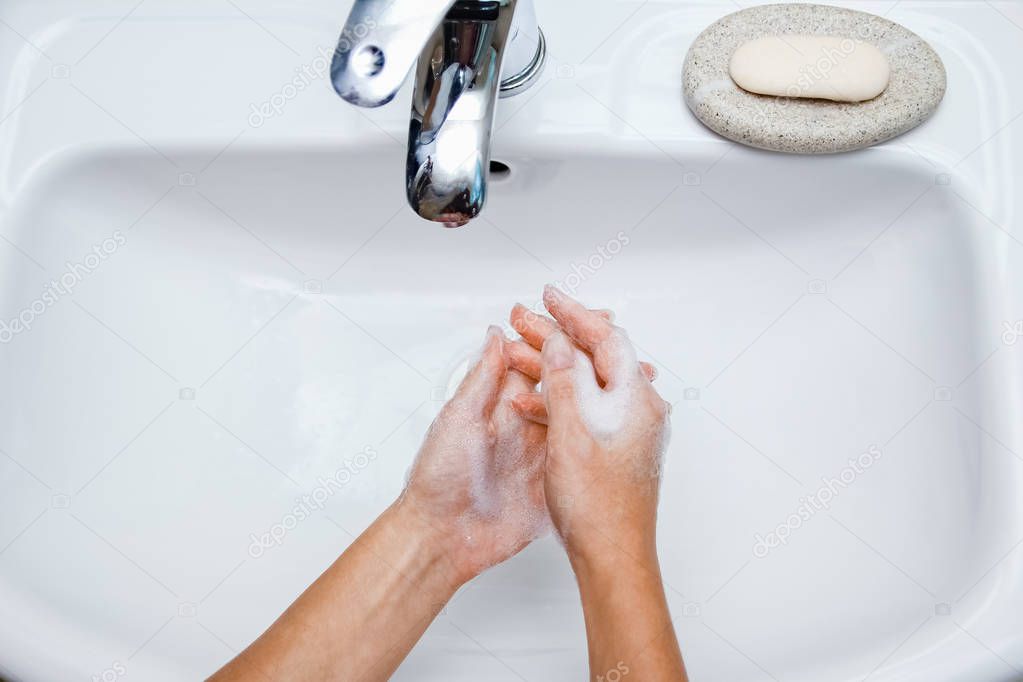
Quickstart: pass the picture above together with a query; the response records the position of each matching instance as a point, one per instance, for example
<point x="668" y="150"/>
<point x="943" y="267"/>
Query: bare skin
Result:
<point x="602" y="485"/>
<point x="490" y="476"/>
<point x="360" y="618"/>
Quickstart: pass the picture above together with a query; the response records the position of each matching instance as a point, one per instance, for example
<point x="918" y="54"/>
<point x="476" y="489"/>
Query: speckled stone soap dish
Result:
<point x="811" y="126"/>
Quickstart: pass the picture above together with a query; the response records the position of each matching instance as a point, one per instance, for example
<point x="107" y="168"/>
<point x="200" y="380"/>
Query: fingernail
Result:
<point x="551" y="291"/>
<point x="557" y="352"/>
<point x="493" y="332"/>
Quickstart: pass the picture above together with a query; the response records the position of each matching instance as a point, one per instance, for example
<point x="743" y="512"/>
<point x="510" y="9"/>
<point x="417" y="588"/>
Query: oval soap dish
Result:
<point x="811" y="126"/>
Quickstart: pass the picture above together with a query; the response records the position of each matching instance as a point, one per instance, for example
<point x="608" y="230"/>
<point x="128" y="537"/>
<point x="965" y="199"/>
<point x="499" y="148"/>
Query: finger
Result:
<point x="613" y="354"/>
<point x="526" y="359"/>
<point x="649" y="371"/>
<point x="535" y="328"/>
<point x="515" y="383"/>
<point x="562" y="376"/>
<point x="523" y="358"/>
<point x="479" y="389"/>
<point x="531" y="406"/>
<point x="585" y="327"/>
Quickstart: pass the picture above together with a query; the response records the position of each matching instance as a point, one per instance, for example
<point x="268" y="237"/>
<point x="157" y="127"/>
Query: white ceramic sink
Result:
<point x="264" y="310"/>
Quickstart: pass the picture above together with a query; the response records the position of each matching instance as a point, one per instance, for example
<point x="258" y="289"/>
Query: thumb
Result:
<point x="560" y="376"/>
<point x="481" y="387"/>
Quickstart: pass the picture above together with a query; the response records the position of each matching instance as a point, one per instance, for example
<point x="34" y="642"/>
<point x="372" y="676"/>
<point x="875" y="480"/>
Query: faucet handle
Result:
<point x="379" y="45"/>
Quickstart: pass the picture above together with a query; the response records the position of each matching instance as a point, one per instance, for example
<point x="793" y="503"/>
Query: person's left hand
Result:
<point x="478" y="478"/>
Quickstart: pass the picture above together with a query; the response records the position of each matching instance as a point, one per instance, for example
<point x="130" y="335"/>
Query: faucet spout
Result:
<point x="461" y="46"/>
<point x="453" y="105"/>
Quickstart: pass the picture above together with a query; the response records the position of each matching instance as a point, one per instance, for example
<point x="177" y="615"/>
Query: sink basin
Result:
<point x="254" y="311"/>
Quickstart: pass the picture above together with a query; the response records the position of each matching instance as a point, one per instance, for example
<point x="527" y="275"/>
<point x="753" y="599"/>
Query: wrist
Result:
<point x="614" y="571"/>
<point x="435" y="543"/>
<point x="427" y="544"/>
<point x="595" y="548"/>
<point x="605" y="557"/>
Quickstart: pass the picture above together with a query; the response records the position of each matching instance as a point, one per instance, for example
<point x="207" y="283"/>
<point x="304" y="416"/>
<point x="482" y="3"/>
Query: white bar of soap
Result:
<point x="805" y="66"/>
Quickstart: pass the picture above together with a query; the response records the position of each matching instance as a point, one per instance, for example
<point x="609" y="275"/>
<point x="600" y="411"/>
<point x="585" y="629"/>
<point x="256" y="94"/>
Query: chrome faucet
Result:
<point x="462" y="47"/>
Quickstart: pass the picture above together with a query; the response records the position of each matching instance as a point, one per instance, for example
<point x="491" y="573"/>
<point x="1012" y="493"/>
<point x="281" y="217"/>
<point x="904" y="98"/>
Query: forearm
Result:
<point x="628" y="625"/>
<point x="360" y="618"/>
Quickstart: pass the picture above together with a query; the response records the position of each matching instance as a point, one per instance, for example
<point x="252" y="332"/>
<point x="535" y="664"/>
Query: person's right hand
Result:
<point x="607" y="431"/>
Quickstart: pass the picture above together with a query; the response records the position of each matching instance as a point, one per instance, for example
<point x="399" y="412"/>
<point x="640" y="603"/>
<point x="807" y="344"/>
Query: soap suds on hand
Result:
<point x="605" y="409"/>
<point x="807" y="66"/>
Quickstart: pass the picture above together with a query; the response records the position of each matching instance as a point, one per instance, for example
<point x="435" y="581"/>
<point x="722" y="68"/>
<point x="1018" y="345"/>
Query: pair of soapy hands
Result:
<point x="501" y="464"/>
<point x="503" y="460"/>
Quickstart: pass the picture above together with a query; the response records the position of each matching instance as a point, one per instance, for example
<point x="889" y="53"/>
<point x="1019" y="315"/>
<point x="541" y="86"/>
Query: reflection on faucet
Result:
<point x="452" y="116"/>
<point x="458" y="79"/>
